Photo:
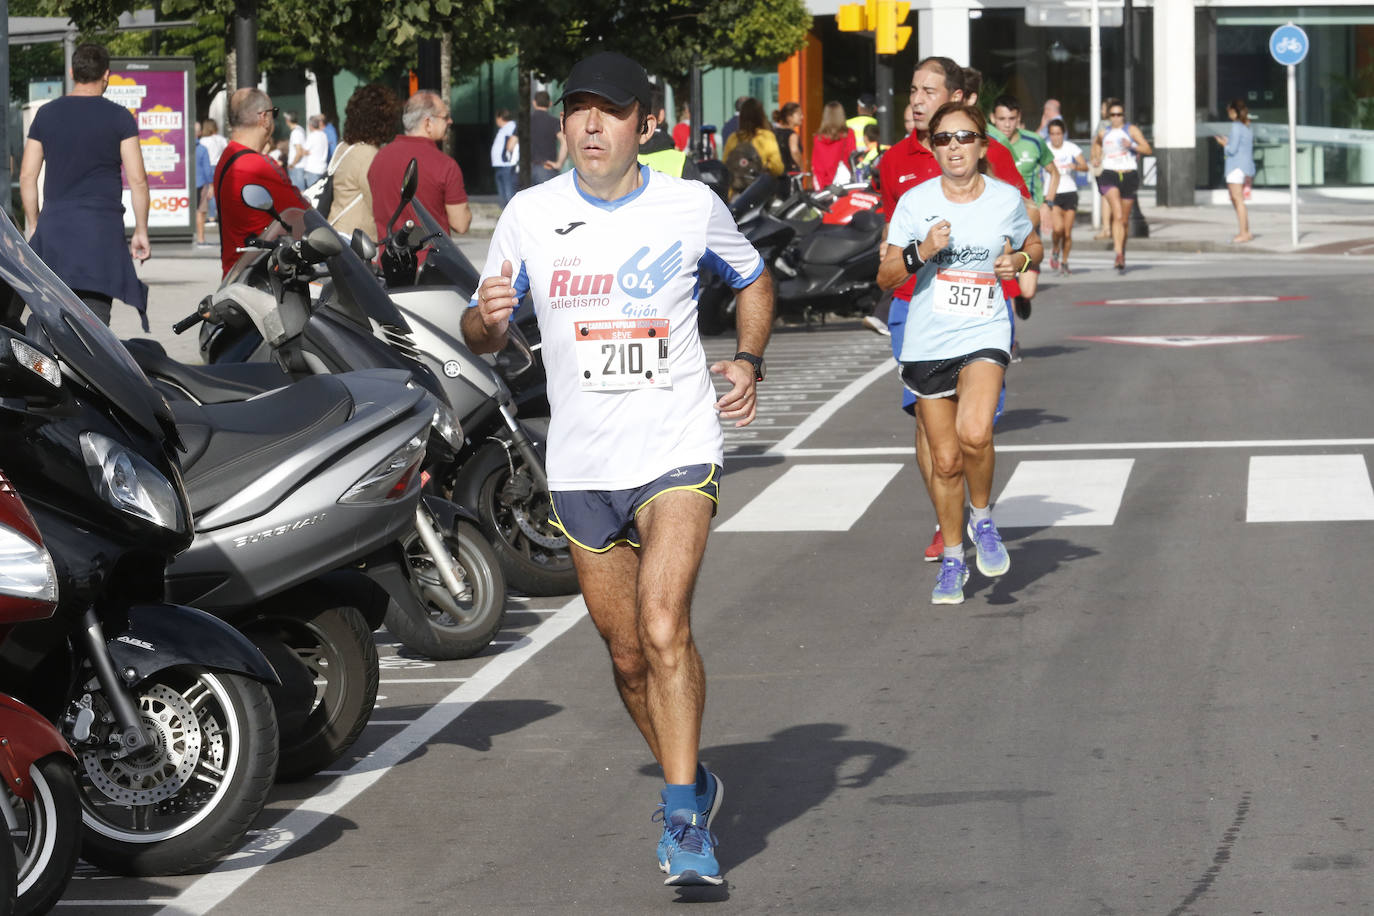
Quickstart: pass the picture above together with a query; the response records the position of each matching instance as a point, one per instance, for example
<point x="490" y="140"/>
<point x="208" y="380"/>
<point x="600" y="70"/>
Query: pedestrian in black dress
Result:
<point x="84" y="139"/>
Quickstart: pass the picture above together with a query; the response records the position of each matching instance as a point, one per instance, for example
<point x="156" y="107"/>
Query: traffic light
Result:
<point x="890" y="34"/>
<point x="852" y="17"/>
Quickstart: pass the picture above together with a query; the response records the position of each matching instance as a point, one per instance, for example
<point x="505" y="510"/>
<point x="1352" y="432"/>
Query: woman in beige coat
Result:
<point x="371" y="119"/>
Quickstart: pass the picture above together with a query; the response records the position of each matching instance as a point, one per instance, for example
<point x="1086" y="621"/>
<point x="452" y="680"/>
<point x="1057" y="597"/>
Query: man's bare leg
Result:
<point x="640" y="602"/>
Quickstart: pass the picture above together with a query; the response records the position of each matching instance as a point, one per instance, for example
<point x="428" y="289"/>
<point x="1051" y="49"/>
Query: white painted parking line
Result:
<point x="422" y="680"/>
<point x="1045" y="494"/>
<point x="851" y="391"/>
<point x="887" y="451"/>
<point x="212" y="888"/>
<point x="1309" y="488"/>
<point x="814" y="497"/>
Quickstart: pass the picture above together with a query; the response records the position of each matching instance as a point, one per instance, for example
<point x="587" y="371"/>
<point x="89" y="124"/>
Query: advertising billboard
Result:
<point x="160" y="92"/>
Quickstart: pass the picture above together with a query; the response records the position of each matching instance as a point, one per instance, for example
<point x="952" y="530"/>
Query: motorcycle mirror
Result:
<point x="258" y="197"/>
<point x="362" y="246"/>
<point x="410" y="181"/>
<point x="319" y="244"/>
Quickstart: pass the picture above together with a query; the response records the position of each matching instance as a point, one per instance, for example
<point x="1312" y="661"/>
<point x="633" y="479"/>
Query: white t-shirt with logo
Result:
<point x="1064" y="157"/>
<point x="614" y="286"/>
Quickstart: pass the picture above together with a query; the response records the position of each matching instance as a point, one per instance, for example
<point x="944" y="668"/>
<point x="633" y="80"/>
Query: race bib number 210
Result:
<point x="622" y="355"/>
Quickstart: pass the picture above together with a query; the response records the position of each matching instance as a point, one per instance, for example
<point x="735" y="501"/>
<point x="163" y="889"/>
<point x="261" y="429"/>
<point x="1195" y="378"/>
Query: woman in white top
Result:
<point x="1115" y="150"/>
<point x="1068" y="158"/>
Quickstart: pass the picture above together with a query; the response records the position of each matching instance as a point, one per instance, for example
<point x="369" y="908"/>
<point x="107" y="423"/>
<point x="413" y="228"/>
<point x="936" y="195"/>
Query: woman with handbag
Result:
<point x="371" y="119"/>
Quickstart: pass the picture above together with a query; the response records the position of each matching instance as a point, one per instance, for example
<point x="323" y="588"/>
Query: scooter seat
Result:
<point x="219" y="383"/>
<point x="836" y="244"/>
<point x="229" y="446"/>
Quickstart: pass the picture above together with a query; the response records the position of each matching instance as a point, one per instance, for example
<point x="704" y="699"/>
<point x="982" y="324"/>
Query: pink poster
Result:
<point x="157" y="99"/>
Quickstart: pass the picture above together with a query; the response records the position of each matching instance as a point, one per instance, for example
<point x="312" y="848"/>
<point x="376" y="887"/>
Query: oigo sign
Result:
<point x="167" y="207"/>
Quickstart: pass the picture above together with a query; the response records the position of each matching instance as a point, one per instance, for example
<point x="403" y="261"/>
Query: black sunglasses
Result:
<point x="1116" y="114"/>
<point x="965" y="137"/>
<point x="272" y="111"/>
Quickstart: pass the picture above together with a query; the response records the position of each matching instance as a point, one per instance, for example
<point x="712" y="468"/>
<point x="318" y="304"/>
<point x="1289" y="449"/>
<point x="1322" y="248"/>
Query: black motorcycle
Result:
<point x="166" y="707"/>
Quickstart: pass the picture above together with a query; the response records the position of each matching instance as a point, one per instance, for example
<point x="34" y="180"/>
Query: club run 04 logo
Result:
<point x="641" y="277"/>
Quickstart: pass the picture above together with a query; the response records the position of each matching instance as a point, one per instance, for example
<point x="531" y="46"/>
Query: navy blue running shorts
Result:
<point x="597" y="520"/>
<point x="1127" y="182"/>
<point x="939" y="378"/>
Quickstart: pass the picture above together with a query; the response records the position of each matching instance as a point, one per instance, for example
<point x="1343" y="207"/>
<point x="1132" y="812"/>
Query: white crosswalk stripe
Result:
<point x="814" y="497"/>
<point x="1046" y="494"/>
<point x="1309" y="488"/>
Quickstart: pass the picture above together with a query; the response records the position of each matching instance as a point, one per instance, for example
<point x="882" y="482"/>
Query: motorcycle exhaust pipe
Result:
<point x="449" y="571"/>
<point x="133" y="737"/>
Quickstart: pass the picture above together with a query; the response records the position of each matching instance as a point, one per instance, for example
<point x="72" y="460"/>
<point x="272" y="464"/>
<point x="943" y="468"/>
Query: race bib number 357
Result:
<point x="622" y="355"/>
<point x="965" y="294"/>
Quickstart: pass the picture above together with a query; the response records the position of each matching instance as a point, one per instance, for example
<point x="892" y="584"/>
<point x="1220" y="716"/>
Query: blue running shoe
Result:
<point x="691" y="850"/>
<point x="708" y="804"/>
<point x="992" y="556"/>
<point x="949" y="588"/>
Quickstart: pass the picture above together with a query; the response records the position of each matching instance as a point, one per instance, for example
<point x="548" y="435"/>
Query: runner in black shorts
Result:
<point x="1116" y="149"/>
<point x="1068" y="159"/>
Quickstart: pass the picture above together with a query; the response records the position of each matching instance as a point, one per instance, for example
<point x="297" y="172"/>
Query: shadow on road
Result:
<point x="1027" y="418"/>
<point x="1032" y="561"/>
<point x="772" y="783"/>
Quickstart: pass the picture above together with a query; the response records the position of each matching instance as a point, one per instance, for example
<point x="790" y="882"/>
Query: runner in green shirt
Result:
<point x="1031" y="152"/>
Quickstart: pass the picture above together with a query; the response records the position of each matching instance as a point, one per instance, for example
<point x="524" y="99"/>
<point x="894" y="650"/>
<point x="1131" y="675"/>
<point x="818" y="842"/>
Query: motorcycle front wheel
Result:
<point x="534" y="555"/>
<point x="453" y="626"/>
<point x="45" y="834"/>
<point x="189" y="797"/>
<point x="335" y="647"/>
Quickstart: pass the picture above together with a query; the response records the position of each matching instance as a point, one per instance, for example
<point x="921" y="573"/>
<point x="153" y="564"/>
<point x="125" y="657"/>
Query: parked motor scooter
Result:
<point x="41" y="807"/>
<point x="165" y="706"/>
<point x="817" y="267"/>
<point x="445" y="585"/>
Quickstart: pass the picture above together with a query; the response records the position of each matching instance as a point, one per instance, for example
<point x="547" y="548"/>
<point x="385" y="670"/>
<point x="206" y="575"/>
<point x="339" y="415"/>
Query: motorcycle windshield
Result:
<point x="445" y="257"/>
<point x="84" y="345"/>
<point x="358" y="293"/>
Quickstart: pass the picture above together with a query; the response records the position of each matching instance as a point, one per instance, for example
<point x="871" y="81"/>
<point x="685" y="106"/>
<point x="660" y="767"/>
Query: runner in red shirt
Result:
<point x="252" y="121"/>
<point x="910" y="162"/>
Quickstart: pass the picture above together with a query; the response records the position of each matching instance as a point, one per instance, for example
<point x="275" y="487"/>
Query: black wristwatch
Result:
<point x="911" y="257"/>
<point x="755" y="361"/>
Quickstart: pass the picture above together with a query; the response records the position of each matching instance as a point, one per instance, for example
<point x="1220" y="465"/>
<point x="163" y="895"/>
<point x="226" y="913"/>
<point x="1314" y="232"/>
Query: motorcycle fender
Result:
<point x="447" y="513"/>
<point x="162" y="636"/>
<point x="25" y="738"/>
<point x="468" y="484"/>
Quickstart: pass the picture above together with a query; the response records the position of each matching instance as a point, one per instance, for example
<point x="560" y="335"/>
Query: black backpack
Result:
<point x="745" y="165"/>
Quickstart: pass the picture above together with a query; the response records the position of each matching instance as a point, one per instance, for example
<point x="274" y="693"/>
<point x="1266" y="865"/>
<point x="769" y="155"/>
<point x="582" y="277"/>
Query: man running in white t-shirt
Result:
<point x="610" y="254"/>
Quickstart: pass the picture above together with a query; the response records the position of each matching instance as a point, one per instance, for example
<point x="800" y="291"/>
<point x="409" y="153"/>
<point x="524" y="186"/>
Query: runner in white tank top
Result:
<point x="1116" y="149"/>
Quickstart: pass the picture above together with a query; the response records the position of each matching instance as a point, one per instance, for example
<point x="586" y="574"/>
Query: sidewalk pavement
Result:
<point x="1337" y="221"/>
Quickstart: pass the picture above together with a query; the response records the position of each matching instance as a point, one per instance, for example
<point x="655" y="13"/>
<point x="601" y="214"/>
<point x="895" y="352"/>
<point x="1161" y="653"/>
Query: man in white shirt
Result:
<point x="610" y="254"/>
<point x="295" y="150"/>
<point x="316" y="151"/>
<point x="505" y="155"/>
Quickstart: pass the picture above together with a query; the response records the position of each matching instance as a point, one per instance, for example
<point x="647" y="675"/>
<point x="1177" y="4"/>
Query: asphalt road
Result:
<point x="1161" y="709"/>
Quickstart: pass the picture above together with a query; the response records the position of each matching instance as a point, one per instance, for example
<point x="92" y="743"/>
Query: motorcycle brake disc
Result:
<point x="159" y="771"/>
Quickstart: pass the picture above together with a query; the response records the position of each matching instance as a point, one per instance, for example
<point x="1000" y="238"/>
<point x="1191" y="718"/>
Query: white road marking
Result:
<point x="214" y="887"/>
<point x="814" y="497"/>
<point x="1309" y="488"/>
<point x="1045" y="494"/>
<point x="1185" y="341"/>
<point x="888" y="451"/>
<point x="422" y="680"/>
<point x="831" y="407"/>
<point x="1194" y="300"/>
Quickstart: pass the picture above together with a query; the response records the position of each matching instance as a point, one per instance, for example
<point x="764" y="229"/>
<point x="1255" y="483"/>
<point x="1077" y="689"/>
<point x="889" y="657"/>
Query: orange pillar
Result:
<point x="799" y="80"/>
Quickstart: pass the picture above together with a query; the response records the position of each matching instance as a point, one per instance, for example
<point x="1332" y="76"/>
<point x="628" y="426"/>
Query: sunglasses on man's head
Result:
<point x="965" y="137"/>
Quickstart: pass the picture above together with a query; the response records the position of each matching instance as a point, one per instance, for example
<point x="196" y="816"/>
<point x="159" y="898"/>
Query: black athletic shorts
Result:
<point x="1066" y="201"/>
<point x="1126" y="182"/>
<point x="939" y="378"/>
<point x="597" y="520"/>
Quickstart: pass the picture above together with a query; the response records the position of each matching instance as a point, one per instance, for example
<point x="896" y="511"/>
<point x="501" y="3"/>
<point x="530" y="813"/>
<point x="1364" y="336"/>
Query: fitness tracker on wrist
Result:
<point x="911" y="257"/>
<point x="755" y="361"/>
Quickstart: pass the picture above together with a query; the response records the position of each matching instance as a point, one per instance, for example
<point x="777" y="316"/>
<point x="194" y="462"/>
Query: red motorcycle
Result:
<point x="40" y="802"/>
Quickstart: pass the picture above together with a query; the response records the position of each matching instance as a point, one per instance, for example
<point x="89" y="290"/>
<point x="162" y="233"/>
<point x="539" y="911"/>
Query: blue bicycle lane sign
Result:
<point x="1289" y="44"/>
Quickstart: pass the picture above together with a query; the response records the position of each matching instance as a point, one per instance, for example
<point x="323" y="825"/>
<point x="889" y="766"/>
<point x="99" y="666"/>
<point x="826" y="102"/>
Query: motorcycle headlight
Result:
<point x="447" y="426"/>
<point x="129" y="483"/>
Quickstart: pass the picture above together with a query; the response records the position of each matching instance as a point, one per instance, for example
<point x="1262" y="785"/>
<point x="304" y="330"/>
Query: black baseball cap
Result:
<point x="612" y="76"/>
<point x="868" y="101"/>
